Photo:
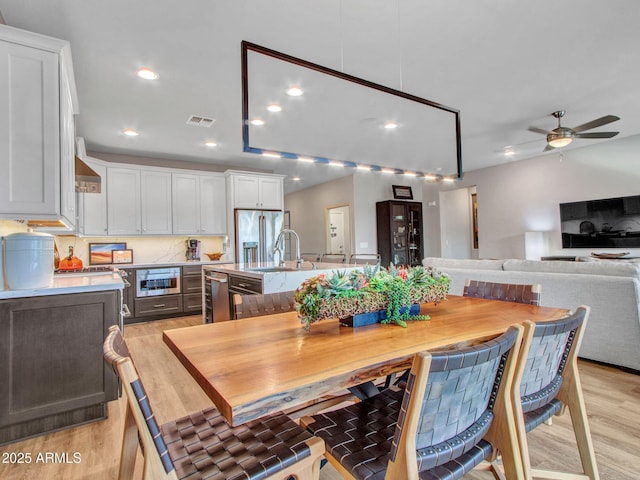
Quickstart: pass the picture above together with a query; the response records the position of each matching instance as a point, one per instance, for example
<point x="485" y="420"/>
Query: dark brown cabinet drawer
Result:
<point x="192" y="302"/>
<point x="158" y="305"/>
<point x="192" y="284"/>
<point x="188" y="270"/>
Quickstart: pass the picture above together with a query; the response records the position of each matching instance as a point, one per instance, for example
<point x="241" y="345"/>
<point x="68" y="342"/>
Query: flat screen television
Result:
<point x="603" y="223"/>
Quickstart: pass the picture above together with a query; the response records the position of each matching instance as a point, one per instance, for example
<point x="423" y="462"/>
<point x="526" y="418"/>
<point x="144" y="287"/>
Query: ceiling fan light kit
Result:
<point x="562" y="136"/>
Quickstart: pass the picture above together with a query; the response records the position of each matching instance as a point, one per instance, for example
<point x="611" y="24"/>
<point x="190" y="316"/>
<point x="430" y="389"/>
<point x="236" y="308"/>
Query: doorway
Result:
<point x="338" y="231"/>
<point x="458" y="223"/>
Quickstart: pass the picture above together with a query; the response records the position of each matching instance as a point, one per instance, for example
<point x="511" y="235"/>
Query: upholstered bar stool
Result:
<point x="203" y="445"/>
<point x="547" y="381"/>
<point x="455" y="412"/>
<point x="508" y="292"/>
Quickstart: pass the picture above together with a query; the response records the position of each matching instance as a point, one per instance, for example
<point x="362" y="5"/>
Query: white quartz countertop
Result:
<point x="71" y="283"/>
<point x="280" y="280"/>
<point x="172" y="264"/>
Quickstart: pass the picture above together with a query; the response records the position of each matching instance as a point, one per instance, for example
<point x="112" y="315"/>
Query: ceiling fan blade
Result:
<point x="595" y="123"/>
<point x="539" y="130"/>
<point x="596" y="135"/>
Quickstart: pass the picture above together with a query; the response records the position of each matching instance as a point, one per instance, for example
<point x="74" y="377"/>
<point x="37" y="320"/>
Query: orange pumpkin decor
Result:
<point x="71" y="262"/>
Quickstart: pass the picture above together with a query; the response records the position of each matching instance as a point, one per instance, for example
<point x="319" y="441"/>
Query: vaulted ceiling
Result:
<point x="504" y="65"/>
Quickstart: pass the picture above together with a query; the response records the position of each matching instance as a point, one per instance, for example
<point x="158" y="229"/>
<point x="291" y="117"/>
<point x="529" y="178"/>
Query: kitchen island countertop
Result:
<point x="275" y="279"/>
<point x="70" y="283"/>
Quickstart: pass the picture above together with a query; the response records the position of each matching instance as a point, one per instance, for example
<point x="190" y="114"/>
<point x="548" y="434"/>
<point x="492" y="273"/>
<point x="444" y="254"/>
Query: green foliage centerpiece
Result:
<point x="343" y="294"/>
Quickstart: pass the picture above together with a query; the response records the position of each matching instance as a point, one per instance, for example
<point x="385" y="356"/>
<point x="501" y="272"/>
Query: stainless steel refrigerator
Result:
<point x="256" y="233"/>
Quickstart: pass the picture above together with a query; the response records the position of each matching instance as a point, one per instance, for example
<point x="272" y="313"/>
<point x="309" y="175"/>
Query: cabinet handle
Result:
<point x="159" y="305"/>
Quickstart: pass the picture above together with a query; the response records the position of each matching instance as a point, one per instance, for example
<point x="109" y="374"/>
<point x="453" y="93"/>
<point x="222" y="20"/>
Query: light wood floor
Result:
<point x="612" y="398"/>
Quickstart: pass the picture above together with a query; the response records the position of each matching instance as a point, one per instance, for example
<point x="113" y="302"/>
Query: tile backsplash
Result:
<point x="164" y="249"/>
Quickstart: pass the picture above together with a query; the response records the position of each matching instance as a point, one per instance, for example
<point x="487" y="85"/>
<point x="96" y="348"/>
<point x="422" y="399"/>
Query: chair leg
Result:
<point x="571" y="395"/>
<point x="129" y="446"/>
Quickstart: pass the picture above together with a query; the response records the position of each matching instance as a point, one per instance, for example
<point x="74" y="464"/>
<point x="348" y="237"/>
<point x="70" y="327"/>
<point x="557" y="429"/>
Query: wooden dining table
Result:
<point x="256" y="366"/>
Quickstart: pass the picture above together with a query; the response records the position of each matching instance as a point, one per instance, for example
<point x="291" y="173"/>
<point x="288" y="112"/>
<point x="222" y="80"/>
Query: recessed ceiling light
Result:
<point x="294" y="91"/>
<point x="430" y="177"/>
<point x="306" y="159"/>
<point x="448" y="179"/>
<point x="257" y="122"/>
<point x="130" y="132"/>
<point x="271" y="154"/>
<point x="390" y="125"/>
<point x="274" y="107"/>
<point x="295" y="179"/>
<point x="336" y="164"/>
<point x="388" y="170"/>
<point x="211" y="144"/>
<point x="147" y="74"/>
<point x="364" y="167"/>
<point x="411" y="174"/>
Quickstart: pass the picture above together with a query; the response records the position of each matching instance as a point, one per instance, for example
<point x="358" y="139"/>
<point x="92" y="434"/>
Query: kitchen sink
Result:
<point x="272" y="269"/>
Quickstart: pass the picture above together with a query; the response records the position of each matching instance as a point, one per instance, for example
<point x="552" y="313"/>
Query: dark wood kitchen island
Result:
<point x="53" y="374"/>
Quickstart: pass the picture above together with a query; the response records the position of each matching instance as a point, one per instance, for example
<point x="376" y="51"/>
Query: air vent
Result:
<point x="199" y="121"/>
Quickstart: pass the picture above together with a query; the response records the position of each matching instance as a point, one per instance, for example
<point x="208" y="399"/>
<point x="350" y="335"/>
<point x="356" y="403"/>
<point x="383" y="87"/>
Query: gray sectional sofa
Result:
<point x="610" y="287"/>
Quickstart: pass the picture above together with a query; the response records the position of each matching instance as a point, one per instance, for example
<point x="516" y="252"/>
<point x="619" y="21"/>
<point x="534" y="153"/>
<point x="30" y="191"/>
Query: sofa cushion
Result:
<point x="439" y="262"/>
<point x="608" y="267"/>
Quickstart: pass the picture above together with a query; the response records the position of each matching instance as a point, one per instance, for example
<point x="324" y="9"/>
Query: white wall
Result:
<point x="525" y="195"/>
<point x="309" y="210"/>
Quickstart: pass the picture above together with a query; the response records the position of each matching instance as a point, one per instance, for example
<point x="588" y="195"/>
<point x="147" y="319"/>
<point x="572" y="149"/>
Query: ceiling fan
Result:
<point x="563" y="136"/>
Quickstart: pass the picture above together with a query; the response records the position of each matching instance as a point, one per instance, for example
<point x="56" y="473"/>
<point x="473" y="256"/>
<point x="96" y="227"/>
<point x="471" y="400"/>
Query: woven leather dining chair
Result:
<point x="365" y="258"/>
<point x="503" y="291"/>
<point x="547" y="381"/>
<point x="455" y="412"/>
<point x="333" y="258"/>
<point x="203" y="445"/>
<point x="265" y="304"/>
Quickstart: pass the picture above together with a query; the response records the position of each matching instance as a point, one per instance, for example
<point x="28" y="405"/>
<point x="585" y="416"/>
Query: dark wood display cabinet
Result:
<point x="53" y="374"/>
<point x="400" y="233"/>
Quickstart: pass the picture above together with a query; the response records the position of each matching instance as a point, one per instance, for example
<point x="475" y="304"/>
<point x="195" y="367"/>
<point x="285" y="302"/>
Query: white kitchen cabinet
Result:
<point x="92" y="207"/>
<point x="123" y="201"/>
<point x="37" y="107"/>
<point x="155" y="202"/>
<point x="199" y="204"/>
<point x="257" y="191"/>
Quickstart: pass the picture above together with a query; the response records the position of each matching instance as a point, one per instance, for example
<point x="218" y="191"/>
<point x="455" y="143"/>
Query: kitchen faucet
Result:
<point x="277" y="248"/>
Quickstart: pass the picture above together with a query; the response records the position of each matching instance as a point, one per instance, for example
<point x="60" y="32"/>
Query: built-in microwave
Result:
<point x="157" y="281"/>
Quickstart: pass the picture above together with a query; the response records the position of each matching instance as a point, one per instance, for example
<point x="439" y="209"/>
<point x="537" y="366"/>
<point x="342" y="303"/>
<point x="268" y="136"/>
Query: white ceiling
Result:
<point x="504" y="64"/>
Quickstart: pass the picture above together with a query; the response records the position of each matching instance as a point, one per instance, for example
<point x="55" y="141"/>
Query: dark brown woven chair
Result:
<point x="503" y="291"/>
<point x="245" y="306"/>
<point x="365" y="258"/>
<point x="333" y="258"/>
<point x="203" y="445"/>
<point x="310" y="257"/>
<point x="455" y="412"/>
<point x="547" y="381"/>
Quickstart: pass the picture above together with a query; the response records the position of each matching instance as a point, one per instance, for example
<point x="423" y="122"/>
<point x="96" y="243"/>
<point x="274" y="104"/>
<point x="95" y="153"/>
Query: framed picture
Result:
<point x="100" y="253"/>
<point x="402" y="193"/>
<point x="122" y="256"/>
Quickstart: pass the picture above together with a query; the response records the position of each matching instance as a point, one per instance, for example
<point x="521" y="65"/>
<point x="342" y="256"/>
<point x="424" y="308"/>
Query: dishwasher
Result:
<point x="216" y="297"/>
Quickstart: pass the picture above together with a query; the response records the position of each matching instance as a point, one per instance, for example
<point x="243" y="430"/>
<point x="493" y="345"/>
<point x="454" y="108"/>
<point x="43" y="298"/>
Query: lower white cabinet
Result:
<point x="199" y="204"/>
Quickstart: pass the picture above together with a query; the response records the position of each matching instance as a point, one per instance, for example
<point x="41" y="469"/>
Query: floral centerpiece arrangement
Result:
<point x="394" y="290"/>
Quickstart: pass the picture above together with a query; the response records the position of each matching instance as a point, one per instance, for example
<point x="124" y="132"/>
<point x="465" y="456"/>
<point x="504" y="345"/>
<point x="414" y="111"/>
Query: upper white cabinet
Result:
<point x="92" y="207"/>
<point x="37" y="106"/>
<point x="257" y="191"/>
<point x="199" y="204"/>
<point x="155" y="202"/>
<point x="123" y="201"/>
